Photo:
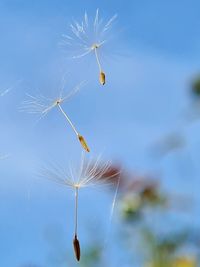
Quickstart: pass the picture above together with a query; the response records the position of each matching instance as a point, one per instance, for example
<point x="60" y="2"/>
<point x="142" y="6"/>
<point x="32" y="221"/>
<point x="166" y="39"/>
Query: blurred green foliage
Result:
<point x="196" y="87"/>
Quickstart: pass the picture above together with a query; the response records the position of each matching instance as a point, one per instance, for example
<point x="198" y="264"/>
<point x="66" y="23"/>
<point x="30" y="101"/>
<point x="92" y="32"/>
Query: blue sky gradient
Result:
<point x="149" y="69"/>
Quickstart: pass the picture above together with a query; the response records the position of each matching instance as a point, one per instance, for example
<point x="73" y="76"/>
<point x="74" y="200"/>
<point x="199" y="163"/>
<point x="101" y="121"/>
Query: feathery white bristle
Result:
<point x="86" y="33"/>
<point x="87" y="174"/>
<point x="42" y="105"/>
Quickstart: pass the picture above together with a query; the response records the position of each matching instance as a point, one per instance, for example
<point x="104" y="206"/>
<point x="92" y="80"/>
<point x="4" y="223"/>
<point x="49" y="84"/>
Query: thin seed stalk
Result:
<point x="68" y="119"/>
<point x="102" y="76"/>
<point x="76" y="211"/>
<point x="80" y="137"/>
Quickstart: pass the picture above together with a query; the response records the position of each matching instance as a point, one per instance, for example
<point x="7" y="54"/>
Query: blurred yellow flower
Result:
<point x="185" y="262"/>
<point x="179" y="262"/>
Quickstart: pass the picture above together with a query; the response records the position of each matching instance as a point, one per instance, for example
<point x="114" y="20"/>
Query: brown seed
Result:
<point x="77" y="249"/>
<point x="83" y="143"/>
<point x="102" y="78"/>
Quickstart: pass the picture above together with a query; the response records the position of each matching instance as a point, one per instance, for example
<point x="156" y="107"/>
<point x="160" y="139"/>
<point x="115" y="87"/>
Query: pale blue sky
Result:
<point x="147" y="90"/>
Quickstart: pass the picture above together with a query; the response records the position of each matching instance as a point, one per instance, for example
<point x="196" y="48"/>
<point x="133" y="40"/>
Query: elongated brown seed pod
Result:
<point x="102" y="78"/>
<point x="83" y="143"/>
<point x="77" y="249"/>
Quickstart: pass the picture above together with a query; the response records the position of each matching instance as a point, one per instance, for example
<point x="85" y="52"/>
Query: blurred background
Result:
<point x="145" y="120"/>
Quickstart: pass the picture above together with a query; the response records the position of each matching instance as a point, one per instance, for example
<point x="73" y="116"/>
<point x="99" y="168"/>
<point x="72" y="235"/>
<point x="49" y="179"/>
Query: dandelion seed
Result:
<point x="87" y="38"/>
<point x="102" y="78"/>
<point x="42" y="105"/>
<point x="88" y="174"/>
<point x="83" y="143"/>
<point x="76" y="243"/>
<point x="77" y="249"/>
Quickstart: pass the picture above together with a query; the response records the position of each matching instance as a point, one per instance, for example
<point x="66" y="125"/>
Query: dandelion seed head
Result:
<point x="95" y="46"/>
<point x="88" y="173"/>
<point x="58" y="101"/>
<point x="87" y="35"/>
<point x="42" y="105"/>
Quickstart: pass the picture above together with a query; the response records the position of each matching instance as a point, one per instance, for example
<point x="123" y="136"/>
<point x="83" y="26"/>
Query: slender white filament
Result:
<point x="76" y="211"/>
<point x="68" y="119"/>
<point x="97" y="58"/>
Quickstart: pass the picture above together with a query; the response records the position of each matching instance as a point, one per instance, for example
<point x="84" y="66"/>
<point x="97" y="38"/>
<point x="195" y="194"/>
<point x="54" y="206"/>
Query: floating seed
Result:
<point x="77" y="249"/>
<point x="83" y="143"/>
<point x="102" y="78"/>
